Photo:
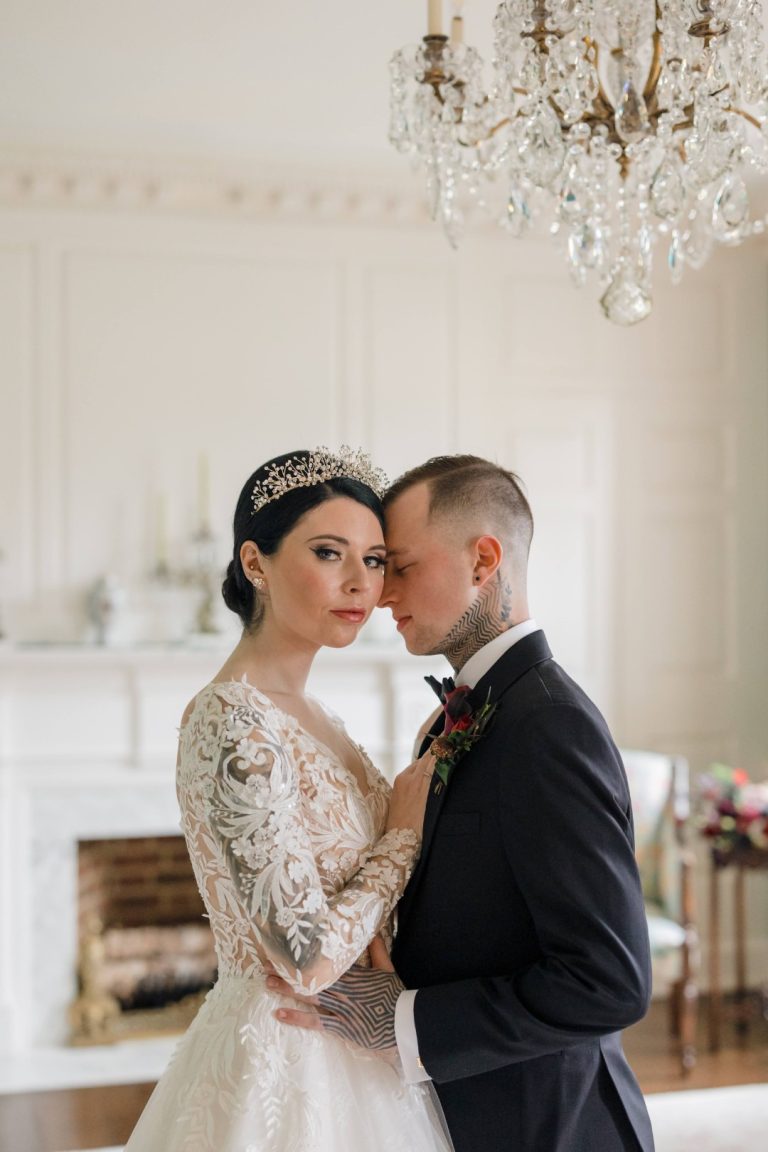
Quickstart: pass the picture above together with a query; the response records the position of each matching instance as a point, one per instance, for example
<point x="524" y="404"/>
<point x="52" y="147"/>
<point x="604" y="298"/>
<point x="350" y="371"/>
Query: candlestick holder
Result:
<point x="105" y="600"/>
<point x="205" y="573"/>
<point x="161" y="573"/>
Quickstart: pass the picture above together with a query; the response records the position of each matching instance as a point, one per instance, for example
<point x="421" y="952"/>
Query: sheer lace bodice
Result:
<point x="295" y="868"/>
<point x="289" y="853"/>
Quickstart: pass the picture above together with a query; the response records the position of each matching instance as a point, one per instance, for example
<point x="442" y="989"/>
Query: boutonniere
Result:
<point x="465" y="723"/>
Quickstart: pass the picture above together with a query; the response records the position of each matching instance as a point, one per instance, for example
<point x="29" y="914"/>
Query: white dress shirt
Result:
<point x="473" y="671"/>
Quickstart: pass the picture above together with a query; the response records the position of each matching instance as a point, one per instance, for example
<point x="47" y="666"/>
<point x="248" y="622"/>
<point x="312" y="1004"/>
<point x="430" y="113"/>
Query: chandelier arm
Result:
<point x="436" y="78"/>
<point x="541" y="32"/>
<point x="492" y="131"/>
<point x="688" y="122"/>
<point x="745" y="116"/>
<point x="684" y="125"/>
<point x="654" y="72"/>
<point x="703" y="30"/>
<point x="435" y="85"/>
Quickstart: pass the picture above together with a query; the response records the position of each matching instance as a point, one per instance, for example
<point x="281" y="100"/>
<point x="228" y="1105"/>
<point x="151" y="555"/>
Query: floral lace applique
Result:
<point x="290" y="857"/>
<point x="295" y="869"/>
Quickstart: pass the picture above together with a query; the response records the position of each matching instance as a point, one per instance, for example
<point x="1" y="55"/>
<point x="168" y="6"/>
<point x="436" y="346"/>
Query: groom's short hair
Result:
<point x="472" y="488"/>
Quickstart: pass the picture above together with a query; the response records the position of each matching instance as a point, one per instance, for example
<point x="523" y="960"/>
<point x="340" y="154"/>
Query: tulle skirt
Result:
<point x="241" y="1082"/>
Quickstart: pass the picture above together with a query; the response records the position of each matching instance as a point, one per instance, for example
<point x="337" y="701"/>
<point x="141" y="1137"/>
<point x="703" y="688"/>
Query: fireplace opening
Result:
<point x="145" y="956"/>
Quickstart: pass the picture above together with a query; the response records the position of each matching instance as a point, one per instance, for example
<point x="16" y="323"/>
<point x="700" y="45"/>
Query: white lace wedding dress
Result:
<point x="294" y="866"/>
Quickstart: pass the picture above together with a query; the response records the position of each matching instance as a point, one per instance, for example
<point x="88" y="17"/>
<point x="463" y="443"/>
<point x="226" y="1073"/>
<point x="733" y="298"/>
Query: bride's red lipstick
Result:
<point x="355" y="616"/>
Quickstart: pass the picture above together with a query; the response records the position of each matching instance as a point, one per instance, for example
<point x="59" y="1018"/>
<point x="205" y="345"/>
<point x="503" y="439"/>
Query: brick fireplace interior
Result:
<point x="144" y="944"/>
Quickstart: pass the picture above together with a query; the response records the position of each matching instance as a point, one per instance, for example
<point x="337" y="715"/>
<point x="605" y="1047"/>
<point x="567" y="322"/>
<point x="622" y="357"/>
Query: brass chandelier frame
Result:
<point x="603" y="113"/>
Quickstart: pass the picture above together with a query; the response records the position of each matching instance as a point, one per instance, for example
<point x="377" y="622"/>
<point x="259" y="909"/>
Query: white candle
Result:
<point x="434" y="17"/>
<point x="203" y="491"/>
<point x="457" y="30"/>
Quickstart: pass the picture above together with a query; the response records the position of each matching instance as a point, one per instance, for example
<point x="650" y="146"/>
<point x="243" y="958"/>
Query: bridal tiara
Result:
<point x="319" y="465"/>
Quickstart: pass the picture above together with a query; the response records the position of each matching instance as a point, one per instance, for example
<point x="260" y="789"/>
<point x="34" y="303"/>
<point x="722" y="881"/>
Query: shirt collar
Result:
<point x="477" y="665"/>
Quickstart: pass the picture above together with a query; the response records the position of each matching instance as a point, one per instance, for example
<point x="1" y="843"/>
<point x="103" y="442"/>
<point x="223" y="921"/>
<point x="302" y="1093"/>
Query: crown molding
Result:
<point x="77" y="183"/>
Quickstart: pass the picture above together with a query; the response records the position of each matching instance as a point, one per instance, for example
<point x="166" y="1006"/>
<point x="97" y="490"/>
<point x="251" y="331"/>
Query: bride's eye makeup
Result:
<point x="372" y="561"/>
<point x="324" y="553"/>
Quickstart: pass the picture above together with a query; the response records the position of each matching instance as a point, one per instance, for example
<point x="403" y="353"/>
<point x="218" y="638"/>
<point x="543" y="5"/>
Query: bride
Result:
<point x="300" y="848"/>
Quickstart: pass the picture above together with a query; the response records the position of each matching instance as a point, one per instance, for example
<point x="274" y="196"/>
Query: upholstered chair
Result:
<point x="659" y="787"/>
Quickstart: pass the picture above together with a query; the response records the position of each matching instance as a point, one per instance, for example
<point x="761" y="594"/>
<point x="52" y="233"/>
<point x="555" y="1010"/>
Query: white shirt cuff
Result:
<point x="407" y="1040"/>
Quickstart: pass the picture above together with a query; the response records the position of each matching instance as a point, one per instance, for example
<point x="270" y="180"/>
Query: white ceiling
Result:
<point x="278" y="82"/>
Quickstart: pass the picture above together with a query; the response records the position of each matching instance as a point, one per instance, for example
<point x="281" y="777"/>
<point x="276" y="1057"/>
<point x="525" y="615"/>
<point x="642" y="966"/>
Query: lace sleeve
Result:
<point x="256" y="815"/>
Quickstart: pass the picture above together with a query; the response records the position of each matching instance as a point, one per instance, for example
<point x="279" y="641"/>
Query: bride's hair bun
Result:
<point x="273" y="522"/>
<point x="238" y="592"/>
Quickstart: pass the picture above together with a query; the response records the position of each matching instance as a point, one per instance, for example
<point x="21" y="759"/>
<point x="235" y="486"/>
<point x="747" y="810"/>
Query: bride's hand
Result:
<point x="409" y="794"/>
<point x="359" y="1007"/>
<point x="379" y="955"/>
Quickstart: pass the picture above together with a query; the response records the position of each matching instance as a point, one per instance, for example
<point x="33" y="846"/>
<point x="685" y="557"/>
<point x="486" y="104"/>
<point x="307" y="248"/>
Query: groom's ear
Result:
<point x="487" y="559"/>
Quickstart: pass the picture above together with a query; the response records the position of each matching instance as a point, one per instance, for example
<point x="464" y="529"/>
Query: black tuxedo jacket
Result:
<point x="523" y="926"/>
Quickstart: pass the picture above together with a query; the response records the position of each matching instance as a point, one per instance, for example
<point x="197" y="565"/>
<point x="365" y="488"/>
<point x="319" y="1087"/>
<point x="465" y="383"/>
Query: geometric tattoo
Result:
<point x="485" y="619"/>
<point x="362" y="1003"/>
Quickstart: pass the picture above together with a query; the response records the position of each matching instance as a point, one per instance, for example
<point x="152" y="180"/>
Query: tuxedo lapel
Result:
<point x="437" y="726"/>
<point x="516" y="661"/>
<point x="434" y="802"/>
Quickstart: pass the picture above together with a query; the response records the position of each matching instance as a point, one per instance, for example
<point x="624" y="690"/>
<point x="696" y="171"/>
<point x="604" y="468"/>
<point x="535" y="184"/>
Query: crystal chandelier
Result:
<point x="623" y="122"/>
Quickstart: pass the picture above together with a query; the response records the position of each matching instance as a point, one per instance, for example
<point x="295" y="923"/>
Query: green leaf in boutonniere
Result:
<point x="463" y="735"/>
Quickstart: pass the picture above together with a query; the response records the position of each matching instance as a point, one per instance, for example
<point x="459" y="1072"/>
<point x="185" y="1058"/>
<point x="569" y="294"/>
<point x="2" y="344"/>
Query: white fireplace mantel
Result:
<point x="88" y="750"/>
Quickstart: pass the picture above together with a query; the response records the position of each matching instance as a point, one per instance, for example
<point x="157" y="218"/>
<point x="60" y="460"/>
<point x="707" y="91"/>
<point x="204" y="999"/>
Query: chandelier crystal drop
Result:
<point x="627" y="124"/>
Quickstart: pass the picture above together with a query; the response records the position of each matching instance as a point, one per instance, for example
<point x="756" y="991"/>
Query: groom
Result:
<point x="522" y="939"/>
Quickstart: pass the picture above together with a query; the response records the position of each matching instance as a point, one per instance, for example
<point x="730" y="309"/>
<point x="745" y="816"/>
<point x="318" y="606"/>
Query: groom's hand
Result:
<point x="358" y="1008"/>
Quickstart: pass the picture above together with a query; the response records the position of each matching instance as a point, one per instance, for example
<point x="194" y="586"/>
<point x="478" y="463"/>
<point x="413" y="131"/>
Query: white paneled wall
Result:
<point x="132" y="343"/>
<point x="132" y="340"/>
<point x="18" y="416"/>
<point x="562" y="446"/>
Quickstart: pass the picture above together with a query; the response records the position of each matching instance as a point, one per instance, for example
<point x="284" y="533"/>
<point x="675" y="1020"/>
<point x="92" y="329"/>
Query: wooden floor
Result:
<point x="98" y="1117"/>
<point x="742" y="1059"/>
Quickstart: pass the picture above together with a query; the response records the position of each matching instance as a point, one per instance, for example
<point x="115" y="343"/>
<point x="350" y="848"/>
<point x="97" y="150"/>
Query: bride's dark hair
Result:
<point x="275" y="520"/>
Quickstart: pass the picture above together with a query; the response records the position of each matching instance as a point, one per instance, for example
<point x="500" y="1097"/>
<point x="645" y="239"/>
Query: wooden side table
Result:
<point x="741" y="857"/>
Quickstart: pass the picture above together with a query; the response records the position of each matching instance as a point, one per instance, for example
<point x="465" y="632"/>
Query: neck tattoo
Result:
<point x="488" y="616"/>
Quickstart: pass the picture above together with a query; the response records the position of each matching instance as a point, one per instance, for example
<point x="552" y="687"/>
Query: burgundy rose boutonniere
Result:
<point x="465" y="723"/>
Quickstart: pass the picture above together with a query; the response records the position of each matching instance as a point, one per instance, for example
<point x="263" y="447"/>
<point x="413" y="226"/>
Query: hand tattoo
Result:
<point x="484" y="620"/>
<point x="360" y="1008"/>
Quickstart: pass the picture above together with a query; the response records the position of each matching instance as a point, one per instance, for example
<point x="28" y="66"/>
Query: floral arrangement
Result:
<point x="465" y="722"/>
<point x="733" y="812"/>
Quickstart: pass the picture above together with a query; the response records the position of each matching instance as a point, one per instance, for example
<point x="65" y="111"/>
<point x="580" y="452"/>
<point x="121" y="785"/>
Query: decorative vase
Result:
<point x="105" y="599"/>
